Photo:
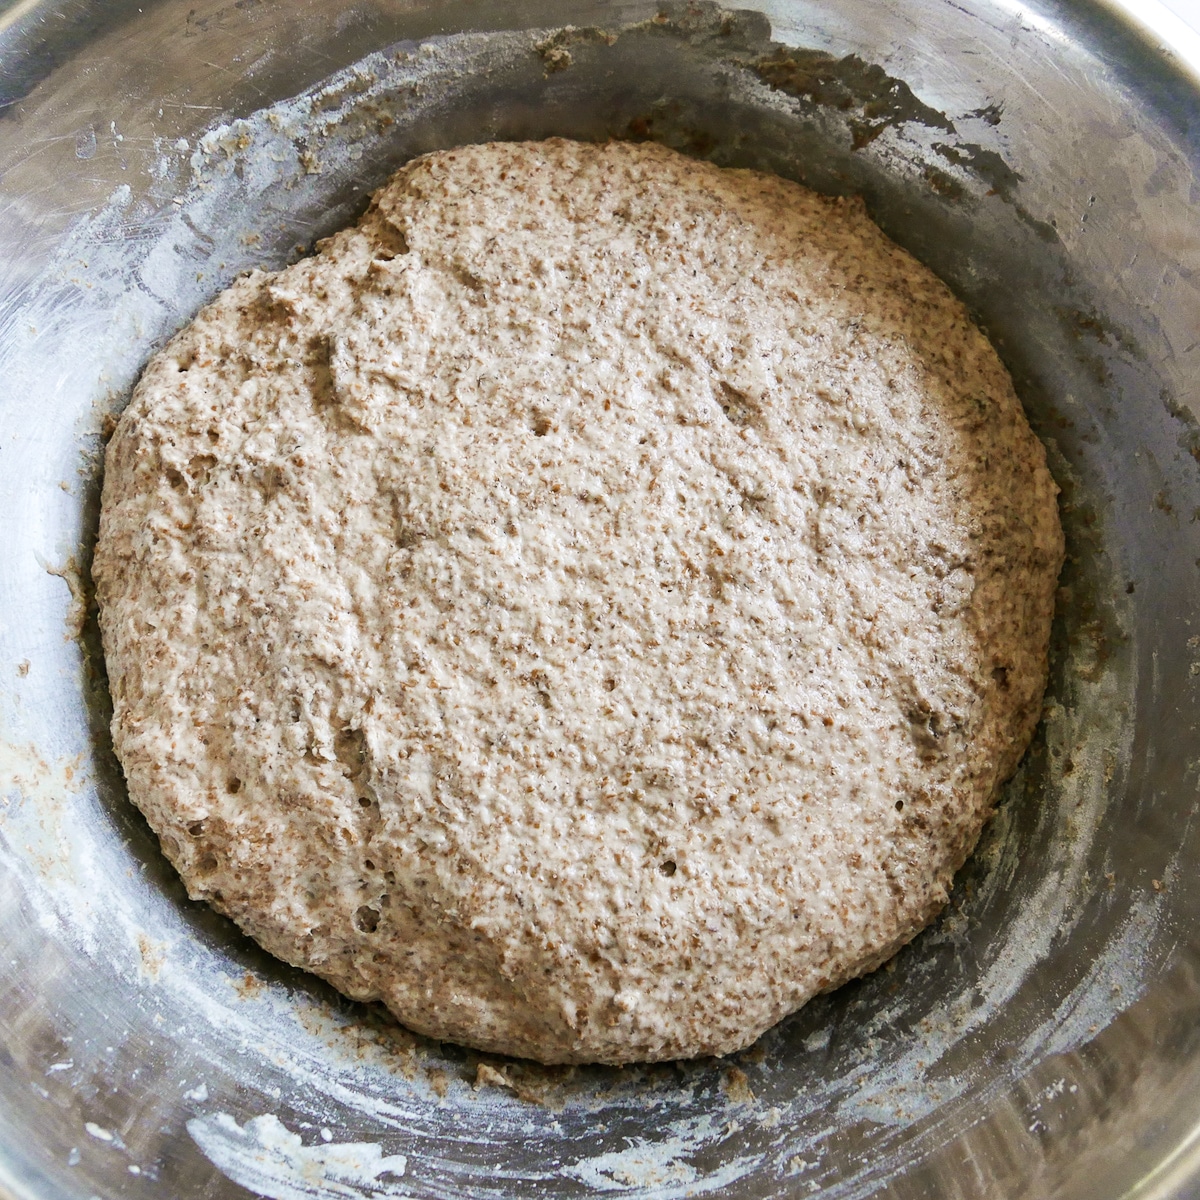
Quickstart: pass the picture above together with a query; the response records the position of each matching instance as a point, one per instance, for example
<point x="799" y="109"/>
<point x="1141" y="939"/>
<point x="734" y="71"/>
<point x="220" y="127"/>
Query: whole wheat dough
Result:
<point x="589" y="606"/>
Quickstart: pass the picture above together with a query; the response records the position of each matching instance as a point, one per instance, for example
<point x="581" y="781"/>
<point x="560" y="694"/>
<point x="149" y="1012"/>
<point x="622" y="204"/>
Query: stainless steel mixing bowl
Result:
<point x="1043" y="1039"/>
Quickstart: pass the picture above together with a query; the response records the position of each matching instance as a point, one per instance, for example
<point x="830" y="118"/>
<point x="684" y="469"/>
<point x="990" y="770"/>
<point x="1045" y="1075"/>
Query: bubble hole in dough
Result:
<point x="589" y="606"/>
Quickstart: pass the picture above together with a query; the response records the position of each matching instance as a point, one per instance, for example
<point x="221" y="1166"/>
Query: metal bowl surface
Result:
<point x="1043" y="1038"/>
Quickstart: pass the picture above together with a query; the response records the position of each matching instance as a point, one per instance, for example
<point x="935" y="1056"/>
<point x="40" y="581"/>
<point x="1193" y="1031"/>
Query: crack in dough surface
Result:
<point x="588" y="606"/>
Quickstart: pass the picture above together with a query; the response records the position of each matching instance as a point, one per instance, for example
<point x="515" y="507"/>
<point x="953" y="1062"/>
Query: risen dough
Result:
<point x="589" y="606"/>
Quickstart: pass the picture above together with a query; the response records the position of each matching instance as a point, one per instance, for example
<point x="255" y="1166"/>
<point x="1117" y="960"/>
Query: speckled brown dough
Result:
<point x="589" y="606"/>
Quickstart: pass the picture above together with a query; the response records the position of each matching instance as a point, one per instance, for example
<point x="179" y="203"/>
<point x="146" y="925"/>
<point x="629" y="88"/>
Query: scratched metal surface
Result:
<point x="1043" y="1039"/>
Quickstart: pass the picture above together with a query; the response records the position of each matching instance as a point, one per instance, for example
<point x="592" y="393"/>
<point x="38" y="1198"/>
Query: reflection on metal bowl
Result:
<point x="1043" y="1039"/>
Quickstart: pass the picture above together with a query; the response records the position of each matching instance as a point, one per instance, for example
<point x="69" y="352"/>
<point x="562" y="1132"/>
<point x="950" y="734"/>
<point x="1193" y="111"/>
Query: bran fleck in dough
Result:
<point x="588" y="606"/>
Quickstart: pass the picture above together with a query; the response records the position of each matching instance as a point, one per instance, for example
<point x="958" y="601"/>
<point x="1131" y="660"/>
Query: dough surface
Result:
<point x="588" y="606"/>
